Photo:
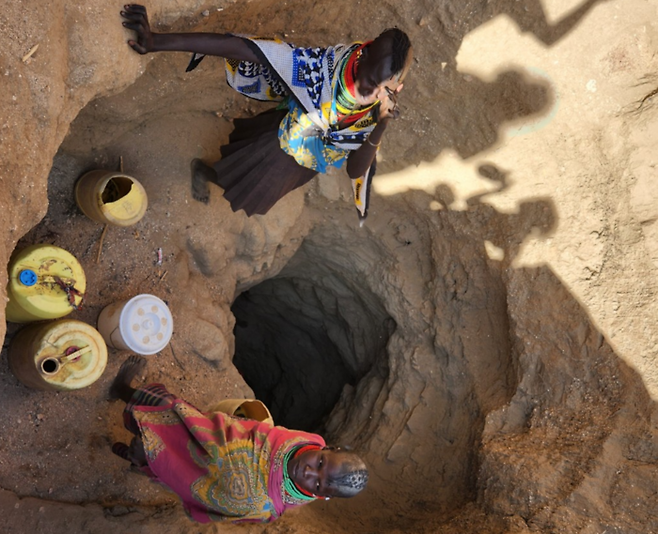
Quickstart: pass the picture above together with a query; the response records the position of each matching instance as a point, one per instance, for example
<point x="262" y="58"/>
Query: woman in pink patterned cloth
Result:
<point x="226" y="468"/>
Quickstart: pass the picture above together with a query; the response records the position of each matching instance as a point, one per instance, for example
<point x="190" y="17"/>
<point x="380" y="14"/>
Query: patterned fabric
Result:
<point x="150" y="395"/>
<point x="222" y="467"/>
<point x="306" y="80"/>
<point x="305" y="75"/>
<point x="300" y="138"/>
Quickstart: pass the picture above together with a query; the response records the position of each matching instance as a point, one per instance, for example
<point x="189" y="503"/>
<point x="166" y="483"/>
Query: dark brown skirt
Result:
<point x="254" y="172"/>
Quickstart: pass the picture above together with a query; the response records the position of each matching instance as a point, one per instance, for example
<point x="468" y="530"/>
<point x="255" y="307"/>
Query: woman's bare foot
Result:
<point x="121" y="387"/>
<point x="201" y="175"/>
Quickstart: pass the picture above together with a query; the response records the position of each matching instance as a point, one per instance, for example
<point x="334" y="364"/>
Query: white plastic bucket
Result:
<point x="143" y="324"/>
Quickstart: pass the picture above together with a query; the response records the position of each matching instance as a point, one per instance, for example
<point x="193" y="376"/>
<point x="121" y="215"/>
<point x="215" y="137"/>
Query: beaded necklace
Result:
<point x="346" y="90"/>
<point x="290" y="487"/>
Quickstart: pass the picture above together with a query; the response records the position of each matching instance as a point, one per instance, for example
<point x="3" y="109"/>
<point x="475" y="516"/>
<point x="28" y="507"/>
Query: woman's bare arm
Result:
<point x="214" y="44"/>
<point x="360" y="160"/>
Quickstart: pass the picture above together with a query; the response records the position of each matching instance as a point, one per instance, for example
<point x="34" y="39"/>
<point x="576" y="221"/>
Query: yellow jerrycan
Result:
<point x="45" y="282"/>
<point x="57" y="355"/>
<point x="111" y="197"/>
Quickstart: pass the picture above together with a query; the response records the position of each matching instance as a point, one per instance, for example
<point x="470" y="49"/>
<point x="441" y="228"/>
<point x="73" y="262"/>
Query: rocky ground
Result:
<point x="496" y="312"/>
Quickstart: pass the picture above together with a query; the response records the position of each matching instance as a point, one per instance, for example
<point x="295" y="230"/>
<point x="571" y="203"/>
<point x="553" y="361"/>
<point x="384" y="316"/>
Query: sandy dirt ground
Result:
<point x="512" y="241"/>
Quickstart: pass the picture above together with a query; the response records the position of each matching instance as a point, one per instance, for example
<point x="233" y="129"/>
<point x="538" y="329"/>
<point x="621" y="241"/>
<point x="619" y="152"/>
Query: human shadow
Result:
<point x="545" y="408"/>
<point x="459" y="18"/>
<point x="471" y="112"/>
<point x="459" y="111"/>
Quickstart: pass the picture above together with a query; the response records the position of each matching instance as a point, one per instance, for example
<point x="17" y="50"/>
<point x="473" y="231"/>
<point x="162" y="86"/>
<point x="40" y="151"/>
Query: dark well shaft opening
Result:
<point x="298" y="344"/>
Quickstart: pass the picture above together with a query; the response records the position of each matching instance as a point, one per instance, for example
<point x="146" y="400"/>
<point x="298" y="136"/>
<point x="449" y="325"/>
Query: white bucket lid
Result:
<point x="146" y="324"/>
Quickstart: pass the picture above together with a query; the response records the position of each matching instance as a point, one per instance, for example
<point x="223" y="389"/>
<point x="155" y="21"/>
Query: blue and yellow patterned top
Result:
<point x="305" y="80"/>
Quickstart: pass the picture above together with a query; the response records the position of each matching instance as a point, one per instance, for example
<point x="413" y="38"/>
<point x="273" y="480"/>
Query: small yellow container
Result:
<point x="45" y="282"/>
<point x="111" y="197"/>
<point x="247" y="408"/>
<point x="58" y="355"/>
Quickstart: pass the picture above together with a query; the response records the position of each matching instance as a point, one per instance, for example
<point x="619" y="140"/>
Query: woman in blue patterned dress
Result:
<point x="334" y="106"/>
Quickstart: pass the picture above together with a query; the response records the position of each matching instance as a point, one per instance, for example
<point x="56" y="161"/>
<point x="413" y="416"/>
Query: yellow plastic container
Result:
<point x="111" y="197"/>
<point x="248" y="408"/>
<point x="45" y="282"/>
<point x="61" y="355"/>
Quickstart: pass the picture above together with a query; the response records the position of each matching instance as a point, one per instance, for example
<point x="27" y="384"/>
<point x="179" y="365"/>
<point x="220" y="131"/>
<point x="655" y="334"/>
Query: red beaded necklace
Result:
<point x="346" y="90"/>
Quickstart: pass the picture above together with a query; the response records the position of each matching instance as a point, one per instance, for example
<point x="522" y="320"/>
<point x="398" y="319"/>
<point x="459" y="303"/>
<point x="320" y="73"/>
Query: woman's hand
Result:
<point x="137" y="20"/>
<point x="388" y="104"/>
<point x="214" y="44"/>
<point x="360" y="159"/>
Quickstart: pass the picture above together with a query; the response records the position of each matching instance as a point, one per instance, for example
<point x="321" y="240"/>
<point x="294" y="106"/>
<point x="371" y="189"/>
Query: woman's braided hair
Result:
<point x="400" y="45"/>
